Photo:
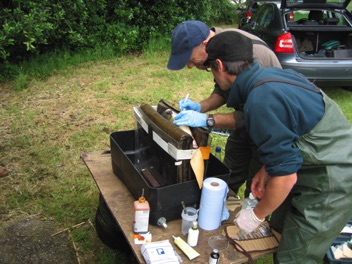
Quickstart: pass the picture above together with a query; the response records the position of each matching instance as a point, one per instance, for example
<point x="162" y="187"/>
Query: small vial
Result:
<point x="218" y="153"/>
<point x="214" y="257"/>
<point x="193" y="234"/>
<point x="162" y="222"/>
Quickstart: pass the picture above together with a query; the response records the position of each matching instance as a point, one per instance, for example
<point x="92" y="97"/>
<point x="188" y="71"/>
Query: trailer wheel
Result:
<point x="107" y="229"/>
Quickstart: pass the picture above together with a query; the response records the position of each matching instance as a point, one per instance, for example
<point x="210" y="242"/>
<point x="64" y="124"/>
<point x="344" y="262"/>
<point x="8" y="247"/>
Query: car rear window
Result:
<point x="321" y="17"/>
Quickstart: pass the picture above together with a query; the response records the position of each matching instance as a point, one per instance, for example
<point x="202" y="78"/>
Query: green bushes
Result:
<point x="32" y="27"/>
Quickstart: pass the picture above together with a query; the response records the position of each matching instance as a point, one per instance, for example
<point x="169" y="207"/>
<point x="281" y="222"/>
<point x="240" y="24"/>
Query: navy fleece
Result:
<point x="276" y="114"/>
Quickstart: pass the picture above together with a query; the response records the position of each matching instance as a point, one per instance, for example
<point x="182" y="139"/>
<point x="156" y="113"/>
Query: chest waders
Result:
<point x="320" y="203"/>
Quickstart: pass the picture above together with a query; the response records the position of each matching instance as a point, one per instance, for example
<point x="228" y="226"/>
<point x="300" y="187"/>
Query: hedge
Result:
<point x="31" y="27"/>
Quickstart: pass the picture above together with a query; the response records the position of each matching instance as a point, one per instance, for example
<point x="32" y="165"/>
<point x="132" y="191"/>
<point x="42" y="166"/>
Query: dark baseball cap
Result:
<point x="185" y="37"/>
<point x="229" y="46"/>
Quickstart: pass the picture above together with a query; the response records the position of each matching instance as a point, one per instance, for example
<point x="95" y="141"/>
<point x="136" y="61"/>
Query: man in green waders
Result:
<point x="304" y="142"/>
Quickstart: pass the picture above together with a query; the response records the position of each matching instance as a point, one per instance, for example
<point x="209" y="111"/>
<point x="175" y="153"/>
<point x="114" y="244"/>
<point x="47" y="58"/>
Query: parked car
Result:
<point x="313" y="37"/>
<point x="247" y="9"/>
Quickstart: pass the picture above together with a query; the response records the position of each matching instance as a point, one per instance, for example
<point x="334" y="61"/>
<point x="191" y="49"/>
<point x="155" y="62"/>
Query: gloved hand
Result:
<point x="190" y="118"/>
<point x="247" y="220"/>
<point x="189" y="105"/>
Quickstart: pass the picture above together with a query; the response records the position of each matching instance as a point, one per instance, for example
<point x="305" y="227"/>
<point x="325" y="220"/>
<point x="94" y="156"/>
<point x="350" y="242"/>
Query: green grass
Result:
<point x="60" y="106"/>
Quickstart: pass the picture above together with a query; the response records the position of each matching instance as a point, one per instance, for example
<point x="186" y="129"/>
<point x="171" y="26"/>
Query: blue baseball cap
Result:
<point x="185" y="37"/>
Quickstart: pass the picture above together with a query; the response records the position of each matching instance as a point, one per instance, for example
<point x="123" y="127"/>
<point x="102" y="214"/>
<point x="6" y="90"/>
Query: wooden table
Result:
<point x="120" y="203"/>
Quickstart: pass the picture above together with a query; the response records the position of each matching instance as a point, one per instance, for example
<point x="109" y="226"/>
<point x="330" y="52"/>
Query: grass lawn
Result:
<point x="47" y="125"/>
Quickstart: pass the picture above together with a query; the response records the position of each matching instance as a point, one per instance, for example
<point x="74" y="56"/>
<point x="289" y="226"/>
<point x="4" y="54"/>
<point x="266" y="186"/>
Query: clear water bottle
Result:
<point x="218" y="153"/>
<point x="249" y="202"/>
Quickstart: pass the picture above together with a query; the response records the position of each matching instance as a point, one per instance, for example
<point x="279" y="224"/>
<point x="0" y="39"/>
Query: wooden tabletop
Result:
<point x="120" y="202"/>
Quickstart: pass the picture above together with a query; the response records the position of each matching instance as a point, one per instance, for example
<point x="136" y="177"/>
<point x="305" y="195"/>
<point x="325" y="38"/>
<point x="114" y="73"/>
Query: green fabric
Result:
<point x="319" y="205"/>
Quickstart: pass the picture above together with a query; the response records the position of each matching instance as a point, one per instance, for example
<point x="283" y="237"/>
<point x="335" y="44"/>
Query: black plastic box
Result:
<point x="133" y="150"/>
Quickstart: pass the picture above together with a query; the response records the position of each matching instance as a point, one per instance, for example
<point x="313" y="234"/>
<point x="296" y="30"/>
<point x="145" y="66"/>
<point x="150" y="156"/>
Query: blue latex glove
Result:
<point x="189" y="105"/>
<point x="247" y="220"/>
<point x="190" y="118"/>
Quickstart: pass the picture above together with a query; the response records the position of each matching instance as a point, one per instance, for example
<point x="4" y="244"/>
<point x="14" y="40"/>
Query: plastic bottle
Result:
<point x="214" y="257"/>
<point x="249" y="202"/>
<point x="141" y="215"/>
<point x="193" y="234"/>
<point x="218" y="153"/>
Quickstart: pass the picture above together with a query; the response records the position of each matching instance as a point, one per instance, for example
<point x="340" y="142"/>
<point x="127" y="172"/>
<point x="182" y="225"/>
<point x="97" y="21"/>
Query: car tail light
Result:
<point x="292" y="16"/>
<point x="284" y="43"/>
<point x="248" y="16"/>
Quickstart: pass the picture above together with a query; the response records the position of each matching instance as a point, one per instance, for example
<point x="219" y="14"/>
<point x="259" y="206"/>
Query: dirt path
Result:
<point x="30" y="240"/>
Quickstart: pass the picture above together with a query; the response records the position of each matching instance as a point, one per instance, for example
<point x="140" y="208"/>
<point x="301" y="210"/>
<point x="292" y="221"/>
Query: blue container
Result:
<point x="330" y="255"/>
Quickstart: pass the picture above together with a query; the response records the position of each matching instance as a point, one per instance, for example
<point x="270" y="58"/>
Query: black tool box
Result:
<point x="155" y="157"/>
<point x="128" y="161"/>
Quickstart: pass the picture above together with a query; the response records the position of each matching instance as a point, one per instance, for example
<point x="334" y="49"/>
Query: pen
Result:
<point x="186" y="99"/>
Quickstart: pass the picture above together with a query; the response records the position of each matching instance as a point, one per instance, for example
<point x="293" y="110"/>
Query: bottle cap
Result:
<point x="194" y="224"/>
<point x="142" y="199"/>
<point x="251" y="196"/>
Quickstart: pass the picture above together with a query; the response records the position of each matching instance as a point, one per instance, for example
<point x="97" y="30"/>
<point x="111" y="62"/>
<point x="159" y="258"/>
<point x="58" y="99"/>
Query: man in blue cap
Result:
<point x="190" y="37"/>
<point x="303" y="141"/>
<point x="189" y="40"/>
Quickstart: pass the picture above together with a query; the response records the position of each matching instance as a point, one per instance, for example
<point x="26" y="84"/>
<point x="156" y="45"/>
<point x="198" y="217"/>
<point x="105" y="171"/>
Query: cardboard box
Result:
<point x="343" y="53"/>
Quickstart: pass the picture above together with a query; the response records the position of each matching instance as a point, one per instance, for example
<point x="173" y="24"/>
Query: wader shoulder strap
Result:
<point x="316" y="90"/>
<point x="259" y="42"/>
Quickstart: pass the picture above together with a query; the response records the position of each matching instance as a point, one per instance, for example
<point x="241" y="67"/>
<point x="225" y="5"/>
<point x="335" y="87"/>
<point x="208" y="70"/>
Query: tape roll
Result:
<point x="212" y="203"/>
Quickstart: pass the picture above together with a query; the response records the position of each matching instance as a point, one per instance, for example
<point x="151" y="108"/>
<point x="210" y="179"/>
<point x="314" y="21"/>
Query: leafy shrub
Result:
<point x="28" y="28"/>
<point x="223" y="12"/>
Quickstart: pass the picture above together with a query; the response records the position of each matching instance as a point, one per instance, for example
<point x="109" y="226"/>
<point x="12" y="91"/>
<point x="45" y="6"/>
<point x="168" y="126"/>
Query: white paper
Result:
<point x="159" y="252"/>
<point x="347" y="229"/>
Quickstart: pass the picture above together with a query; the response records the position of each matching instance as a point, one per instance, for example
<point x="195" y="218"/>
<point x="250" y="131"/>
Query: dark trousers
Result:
<point x="242" y="158"/>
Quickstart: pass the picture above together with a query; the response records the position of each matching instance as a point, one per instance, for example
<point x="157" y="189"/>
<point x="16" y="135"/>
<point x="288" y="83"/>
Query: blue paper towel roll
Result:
<point x="212" y="204"/>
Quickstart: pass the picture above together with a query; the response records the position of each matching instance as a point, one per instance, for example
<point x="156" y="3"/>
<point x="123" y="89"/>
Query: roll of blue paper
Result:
<point x="212" y="203"/>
